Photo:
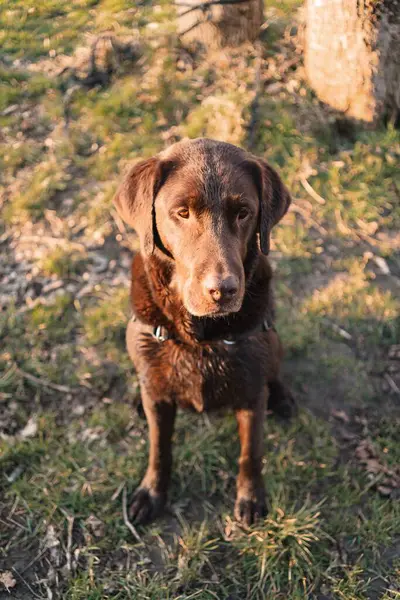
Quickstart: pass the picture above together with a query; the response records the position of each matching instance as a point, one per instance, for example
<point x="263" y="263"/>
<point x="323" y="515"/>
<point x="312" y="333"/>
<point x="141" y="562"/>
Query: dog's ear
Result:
<point x="135" y="197"/>
<point x="274" y="199"/>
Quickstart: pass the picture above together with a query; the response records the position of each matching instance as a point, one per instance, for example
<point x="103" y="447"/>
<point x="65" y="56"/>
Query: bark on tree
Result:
<point x="352" y="56"/>
<point x="218" y="23"/>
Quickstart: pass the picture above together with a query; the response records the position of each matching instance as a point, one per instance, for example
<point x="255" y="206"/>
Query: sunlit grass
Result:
<point x="38" y="190"/>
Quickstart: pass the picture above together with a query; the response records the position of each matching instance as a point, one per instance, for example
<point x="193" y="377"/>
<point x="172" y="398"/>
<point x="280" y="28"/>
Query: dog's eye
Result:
<point x="243" y="213"/>
<point x="183" y="213"/>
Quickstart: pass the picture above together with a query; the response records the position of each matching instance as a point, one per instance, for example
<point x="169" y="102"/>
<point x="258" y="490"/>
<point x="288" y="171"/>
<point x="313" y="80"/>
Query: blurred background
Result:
<point x="89" y="86"/>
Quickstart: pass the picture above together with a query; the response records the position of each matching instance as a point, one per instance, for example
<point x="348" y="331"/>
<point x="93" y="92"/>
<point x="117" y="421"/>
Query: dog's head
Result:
<point x="202" y="203"/>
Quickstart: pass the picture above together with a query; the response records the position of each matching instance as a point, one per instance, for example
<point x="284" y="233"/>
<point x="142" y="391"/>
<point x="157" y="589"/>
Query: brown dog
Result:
<point x="201" y="335"/>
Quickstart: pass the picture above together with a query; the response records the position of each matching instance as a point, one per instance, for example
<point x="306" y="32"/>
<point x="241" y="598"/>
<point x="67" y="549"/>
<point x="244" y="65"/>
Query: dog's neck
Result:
<point x="155" y="302"/>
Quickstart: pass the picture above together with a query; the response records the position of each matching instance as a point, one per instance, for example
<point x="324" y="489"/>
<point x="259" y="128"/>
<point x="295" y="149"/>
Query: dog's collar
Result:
<point x="161" y="333"/>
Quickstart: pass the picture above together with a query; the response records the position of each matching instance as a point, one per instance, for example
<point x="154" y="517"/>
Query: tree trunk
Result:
<point x="218" y="23"/>
<point x="352" y="56"/>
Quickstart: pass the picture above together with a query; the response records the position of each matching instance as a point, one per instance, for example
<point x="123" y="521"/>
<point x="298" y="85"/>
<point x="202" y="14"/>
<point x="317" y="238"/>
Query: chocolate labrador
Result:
<point x="202" y="334"/>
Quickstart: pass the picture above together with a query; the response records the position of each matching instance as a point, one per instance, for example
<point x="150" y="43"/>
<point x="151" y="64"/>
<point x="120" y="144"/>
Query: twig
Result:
<point x="191" y="28"/>
<point x="69" y="541"/>
<point x="34" y="560"/>
<point x="340" y="223"/>
<point x="14" y="523"/>
<point x="342" y="332"/>
<point x="392" y="383"/>
<point x="126" y="520"/>
<point x="43" y="382"/>
<point x="306" y="217"/>
<point x="26" y="583"/>
<point x="367" y="238"/>
<point x="117" y="492"/>
<point x="311" y="191"/>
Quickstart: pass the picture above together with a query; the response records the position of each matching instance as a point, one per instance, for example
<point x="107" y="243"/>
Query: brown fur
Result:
<point x="203" y="211"/>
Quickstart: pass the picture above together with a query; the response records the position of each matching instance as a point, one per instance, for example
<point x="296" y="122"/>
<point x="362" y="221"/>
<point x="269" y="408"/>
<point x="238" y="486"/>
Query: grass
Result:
<point x="71" y="436"/>
<point x="39" y="190"/>
<point x="63" y="263"/>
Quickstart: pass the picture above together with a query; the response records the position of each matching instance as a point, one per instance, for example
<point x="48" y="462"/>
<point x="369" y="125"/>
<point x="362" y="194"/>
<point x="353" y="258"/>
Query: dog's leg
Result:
<point x="250" y="496"/>
<point x="150" y="497"/>
<point x="281" y="401"/>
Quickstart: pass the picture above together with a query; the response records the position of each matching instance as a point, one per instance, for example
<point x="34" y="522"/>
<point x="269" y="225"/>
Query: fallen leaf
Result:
<point x="95" y="526"/>
<point x="374" y="466"/>
<point x="382" y="264"/>
<point x="7" y="580"/>
<point x="365" y="450"/>
<point x="367" y="455"/>
<point x="384" y="490"/>
<point x="341" y="415"/>
<point x="30" y="429"/>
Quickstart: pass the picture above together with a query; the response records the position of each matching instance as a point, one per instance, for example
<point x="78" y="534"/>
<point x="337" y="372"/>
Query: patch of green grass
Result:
<point x="196" y="546"/>
<point x="293" y="241"/>
<point x="106" y="322"/>
<point x="46" y="180"/>
<point x="298" y="329"/>
<point x="19" y="155"/>
<point x="32" y="31"/>
<point x="76" y="472"/>
<point x="361" y="183"/>
<point x="25" y="455"/>
<point x="16" y="86"/>
<point x="219" y="117"/>
<point x="46" y="354"/>
<point x="278" y="553"/>
<point x="121" y="149"/>
<point x="63" y="262"/>
<point x="280" y="139"/>
<point x="115" y="419"/>
<point x="384" y="436"/>
<point x="285" y="7"/>
<point x="53" y="322"/>
<point x="351" y="584"/>
<point x="283" y="556"/>
<point x="355" y="304"/>
<point x="98" y="212"/>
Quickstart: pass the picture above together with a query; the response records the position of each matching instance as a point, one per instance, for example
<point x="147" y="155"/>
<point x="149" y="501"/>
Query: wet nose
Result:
<point x="221" y="289"/>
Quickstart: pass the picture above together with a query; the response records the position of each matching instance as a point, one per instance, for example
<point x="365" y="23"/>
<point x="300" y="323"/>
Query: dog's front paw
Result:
<point x="145" y="505"/>
<point x="249" y="509"/>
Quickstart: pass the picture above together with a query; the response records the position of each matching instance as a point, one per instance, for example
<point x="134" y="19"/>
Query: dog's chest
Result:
<point x="202" y="378"/>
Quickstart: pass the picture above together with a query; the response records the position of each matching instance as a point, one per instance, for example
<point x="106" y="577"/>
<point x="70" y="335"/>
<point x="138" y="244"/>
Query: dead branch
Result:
<point x="311" y="191"/>
<point x="43" y="382"/>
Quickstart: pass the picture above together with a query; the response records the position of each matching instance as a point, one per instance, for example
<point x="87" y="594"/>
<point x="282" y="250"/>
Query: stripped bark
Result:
<point x="352" y="56"/>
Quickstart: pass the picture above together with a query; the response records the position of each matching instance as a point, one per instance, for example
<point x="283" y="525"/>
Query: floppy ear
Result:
<point x="134" y="199"/>
<point x="274" y="199"/>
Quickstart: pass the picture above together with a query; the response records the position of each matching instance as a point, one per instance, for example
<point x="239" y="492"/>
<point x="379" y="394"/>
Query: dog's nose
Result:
<point x="221" y="289"/>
